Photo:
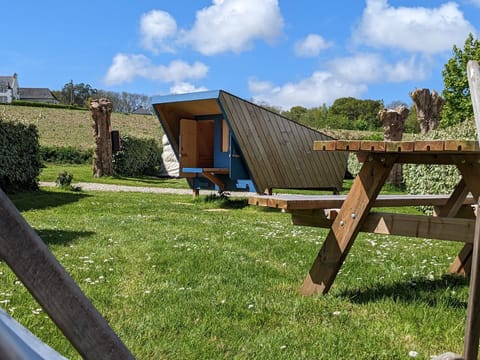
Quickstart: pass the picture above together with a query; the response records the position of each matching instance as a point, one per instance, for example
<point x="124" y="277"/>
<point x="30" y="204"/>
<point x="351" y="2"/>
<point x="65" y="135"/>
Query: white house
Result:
<point x="8" y="89"/>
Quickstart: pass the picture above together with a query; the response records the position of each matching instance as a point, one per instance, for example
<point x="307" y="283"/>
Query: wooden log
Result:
<point x="58" y="294"/>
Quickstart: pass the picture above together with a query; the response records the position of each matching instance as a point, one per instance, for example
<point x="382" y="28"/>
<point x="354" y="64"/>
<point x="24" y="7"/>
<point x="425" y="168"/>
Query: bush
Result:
<point x="45" y="105"/>
<point x="137" y="157"/>
<point x="65" y="155"/>
<point x="19" y="156"/>
<point x="64" y="180"/>
<point x="437" y="179"/>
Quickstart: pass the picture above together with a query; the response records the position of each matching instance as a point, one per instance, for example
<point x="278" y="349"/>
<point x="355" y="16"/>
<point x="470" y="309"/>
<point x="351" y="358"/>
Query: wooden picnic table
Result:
<point x="453" y="218"/>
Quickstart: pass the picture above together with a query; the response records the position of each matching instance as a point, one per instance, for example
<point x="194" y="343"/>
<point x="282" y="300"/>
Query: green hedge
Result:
<point x="45" y="105"/>
<point x="19" y="156"/>
<point x="437" y="179"/>
<point x="137" y="157"/>
<point x="65" y="155"/>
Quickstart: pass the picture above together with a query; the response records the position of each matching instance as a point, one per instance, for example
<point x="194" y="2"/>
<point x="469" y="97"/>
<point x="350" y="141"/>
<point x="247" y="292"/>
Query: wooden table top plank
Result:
<point x="423" y="146"/>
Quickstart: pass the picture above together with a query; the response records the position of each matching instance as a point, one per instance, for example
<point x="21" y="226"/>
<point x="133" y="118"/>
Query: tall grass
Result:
<point x="179" y="278"/>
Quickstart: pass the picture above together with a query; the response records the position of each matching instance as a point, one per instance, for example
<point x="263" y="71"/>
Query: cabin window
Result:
<point x="225" y="136"/>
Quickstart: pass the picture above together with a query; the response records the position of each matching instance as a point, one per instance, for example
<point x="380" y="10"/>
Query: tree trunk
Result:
<point x="428" y="106"/>
<point x="102" y="156"/>
<point x="393" y="125"/>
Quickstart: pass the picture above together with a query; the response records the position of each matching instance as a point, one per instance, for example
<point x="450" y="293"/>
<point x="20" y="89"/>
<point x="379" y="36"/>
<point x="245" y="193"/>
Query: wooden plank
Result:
<point x="461" y="145"/>
<point x="325" y="145"/>
<point x="214" y="179"/>
<point x="429" y="145"/>
<point x="315" y="218"/>
<point x="58" y="294"/>
<point x="346" y="226"/>
<point x="373" y="146"/>
<point x="462" y="264"/>
<point x="304" y="202"/>
<point x="400" y="146"/>
<point x="249" y="141"/>
<point x="348" y="145"/>
<point x="472" y="329"/>
<point x="188" y="145"/>
<point x="414" y="226"/>
<point x="420" y="226"/>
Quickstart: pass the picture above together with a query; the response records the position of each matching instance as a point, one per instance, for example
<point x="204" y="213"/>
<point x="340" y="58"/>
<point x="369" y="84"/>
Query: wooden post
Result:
<point x="428" y="106"/>
<point x="102" y="157"/>
<point x="472" y="328"/>
<point x="393" y="121"/>
<point x="58" y="294"/>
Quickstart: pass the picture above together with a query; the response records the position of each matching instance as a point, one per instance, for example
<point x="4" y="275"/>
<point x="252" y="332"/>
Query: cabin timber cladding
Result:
<point x="266" y="149"/>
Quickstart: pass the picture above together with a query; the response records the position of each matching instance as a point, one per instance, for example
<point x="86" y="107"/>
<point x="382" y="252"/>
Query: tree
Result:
<point x="362" y="112"/>
<point x="76" y="94"/>
<point x="458" y="104"/>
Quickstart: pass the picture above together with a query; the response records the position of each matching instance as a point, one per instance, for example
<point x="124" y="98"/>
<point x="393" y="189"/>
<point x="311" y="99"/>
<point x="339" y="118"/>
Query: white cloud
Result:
<point x="178" y="70"/>
<point x="126" y="67"/>
<point x="156" y="27"/>
<point x="415" y="29"/>
<point x="320" y="88"/>
<point x="233" y="25"/>
<point x="311" y="46"/>
<point x="185" y="87"/>
<point x="475" y="2"/>
<point x="371" y="68"/>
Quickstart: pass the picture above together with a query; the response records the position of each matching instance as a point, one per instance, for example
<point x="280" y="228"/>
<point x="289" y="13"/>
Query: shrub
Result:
<point x="65" y="155"/>
<point x="45" y="105"/>
<point x="437" y="179"/>
<point x="19" y="156"/>
<point x="64" y="179"/>
<point x="137" y="157"/>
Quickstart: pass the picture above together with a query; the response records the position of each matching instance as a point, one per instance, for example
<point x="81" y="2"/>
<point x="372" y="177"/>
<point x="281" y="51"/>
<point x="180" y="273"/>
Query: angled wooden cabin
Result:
<point x="226" y="143"/>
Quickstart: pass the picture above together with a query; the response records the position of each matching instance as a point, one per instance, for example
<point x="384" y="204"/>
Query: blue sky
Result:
<point x="279" y="52"/>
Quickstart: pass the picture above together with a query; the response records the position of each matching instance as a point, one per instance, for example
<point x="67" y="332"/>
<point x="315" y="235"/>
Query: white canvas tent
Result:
<point x="170" y="164"/>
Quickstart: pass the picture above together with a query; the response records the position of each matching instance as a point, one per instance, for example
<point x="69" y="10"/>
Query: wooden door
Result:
<point x="188" y="145"/>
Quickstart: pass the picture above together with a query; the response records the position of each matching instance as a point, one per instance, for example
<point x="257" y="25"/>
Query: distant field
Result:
<point x="62" y="127"/>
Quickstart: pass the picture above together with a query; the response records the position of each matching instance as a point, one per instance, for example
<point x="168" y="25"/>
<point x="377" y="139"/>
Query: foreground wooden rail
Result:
<point x="36" y="267"/>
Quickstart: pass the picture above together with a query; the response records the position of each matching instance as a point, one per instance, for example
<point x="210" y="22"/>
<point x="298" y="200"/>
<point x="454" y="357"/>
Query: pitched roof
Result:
<point x="6" y="80"/>
<point x="142" y="111"/>
<point x="35" y="93"/>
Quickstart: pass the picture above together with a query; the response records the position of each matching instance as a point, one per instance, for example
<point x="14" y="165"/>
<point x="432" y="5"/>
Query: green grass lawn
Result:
<point x="184" y="278"/>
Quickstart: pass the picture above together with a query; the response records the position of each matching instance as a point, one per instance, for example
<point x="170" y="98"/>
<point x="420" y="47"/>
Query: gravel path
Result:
<point x="142" y="189"/>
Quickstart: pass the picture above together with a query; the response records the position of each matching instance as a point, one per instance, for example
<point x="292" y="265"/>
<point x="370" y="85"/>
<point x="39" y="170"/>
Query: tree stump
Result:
<point x="393" y="121"/>
<point x="102" y="156"/>
<point x="428" y="106"/>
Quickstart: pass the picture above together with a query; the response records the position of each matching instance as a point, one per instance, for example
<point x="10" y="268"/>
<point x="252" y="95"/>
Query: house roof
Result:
<point x="35" y="93"/>
<point x="142" y="111"/>
<point x="6" y="80"/>
<point x="278" y="151"/>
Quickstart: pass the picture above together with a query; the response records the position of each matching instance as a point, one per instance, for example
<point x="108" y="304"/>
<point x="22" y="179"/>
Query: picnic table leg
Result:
<point x="470" y="175"/>
<point x="347" y="224"/>
<point x="461" y="264"/>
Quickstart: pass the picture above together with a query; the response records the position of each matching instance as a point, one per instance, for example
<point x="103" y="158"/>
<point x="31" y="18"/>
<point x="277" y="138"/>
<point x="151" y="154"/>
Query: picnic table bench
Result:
<point x="453" y="218"/>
